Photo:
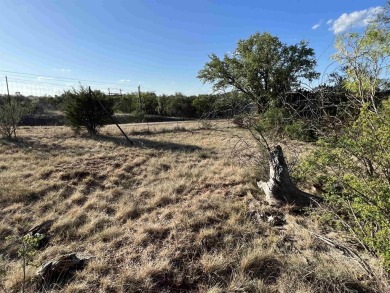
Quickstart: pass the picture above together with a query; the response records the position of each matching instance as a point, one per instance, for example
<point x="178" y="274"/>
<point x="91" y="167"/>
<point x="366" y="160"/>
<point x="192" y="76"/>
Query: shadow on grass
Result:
<point x="147" y="131"/>
<point x="148" y="144"/>
<point x="33" y="144"/>
<point x="29" y="144"/>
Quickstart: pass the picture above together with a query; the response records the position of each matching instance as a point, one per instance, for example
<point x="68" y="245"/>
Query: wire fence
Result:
<point x="32" y="85"/>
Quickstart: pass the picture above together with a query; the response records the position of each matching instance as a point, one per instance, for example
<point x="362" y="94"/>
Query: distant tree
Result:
<point x="162" y="105"/>
<point x="232" y="103"/>
<point x="149" y="103"/>
<point x="180" y="105"/>
<point x="261" y="67"/>
<point x="127" y="103"/>
<point x="203" y="104"/>
<point x="84" y="109"/>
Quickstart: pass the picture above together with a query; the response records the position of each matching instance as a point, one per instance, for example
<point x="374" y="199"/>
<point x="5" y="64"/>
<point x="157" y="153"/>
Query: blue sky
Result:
<point x="160" y="45"/>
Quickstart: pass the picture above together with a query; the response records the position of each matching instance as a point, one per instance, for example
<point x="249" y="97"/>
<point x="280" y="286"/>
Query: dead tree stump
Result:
<point x="279" y="189"/>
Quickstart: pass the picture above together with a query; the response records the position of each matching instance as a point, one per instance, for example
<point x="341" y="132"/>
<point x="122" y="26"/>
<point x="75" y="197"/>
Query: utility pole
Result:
<point x="139" y="99"/>
<point x="6" y="81"/>
<point x="11" y="109"/>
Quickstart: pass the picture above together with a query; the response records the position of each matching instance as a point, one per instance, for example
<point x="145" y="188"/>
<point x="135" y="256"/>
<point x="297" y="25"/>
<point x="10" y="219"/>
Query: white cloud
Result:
<point x="125" y="80"/>
<point x="44" y="78"/>
<point x="356" y="19"/>
<point x="329" y="21"/>
<point x="65" y="70"/>
<point x="316" y="26"/>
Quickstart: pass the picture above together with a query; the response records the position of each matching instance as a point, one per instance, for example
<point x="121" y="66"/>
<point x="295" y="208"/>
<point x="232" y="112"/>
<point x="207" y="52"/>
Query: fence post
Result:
<point x="111" y="117"/>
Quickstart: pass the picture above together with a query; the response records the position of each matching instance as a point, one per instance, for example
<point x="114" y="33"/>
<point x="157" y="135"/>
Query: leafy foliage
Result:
<point x="261" y="67"/>
<point x="278" y="121"/>
<point x="365" y="60"/>
<point x="90" y="110"/>
<point x="28" y="245"/>
<point x="355" y="170"/>
<point x="355" y="176"/>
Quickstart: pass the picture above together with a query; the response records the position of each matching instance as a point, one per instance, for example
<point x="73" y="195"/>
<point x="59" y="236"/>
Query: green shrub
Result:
<point x="298" y="129"/>
<point x="355" y="177"/>
<point x="274" y="120"/>
<point x="11" y="112"/>
<point x="139" y="117"/>
<point x="279" y="122"/>
<point x="90" y="110"/>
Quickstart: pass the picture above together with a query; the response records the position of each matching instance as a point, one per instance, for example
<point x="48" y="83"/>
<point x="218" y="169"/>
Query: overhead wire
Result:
<point x="124" y="84"/>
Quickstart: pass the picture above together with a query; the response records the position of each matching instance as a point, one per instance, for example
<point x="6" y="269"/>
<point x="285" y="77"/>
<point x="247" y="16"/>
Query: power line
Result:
<point x="38" y="82"/>
<point x="72" y="79"/>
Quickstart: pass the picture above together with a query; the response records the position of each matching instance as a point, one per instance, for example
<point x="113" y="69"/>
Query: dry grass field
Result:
<point x="176" y="212"/>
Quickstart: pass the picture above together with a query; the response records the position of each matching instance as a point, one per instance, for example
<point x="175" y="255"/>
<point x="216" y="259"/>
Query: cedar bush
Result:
<point x="83" y="109"/>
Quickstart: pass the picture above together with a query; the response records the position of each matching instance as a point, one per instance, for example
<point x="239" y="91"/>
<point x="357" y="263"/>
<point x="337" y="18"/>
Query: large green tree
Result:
<point x="261" y="67"/>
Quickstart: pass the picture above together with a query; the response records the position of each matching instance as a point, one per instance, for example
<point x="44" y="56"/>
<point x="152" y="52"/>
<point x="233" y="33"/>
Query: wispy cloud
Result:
<point x="62" y="69"/>
<point x="317" y="25"/>
<point x="44" y="78"/>
<point x="356" y="19"/>
<point x="125" y="80"/>
<point x="329" y="22"/>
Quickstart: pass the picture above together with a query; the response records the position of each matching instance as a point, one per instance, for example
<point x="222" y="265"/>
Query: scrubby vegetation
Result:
<point x="354" y="177"/>
<point x="175" y="213"/>
<point x="353" y="169"/>
<point x="91" y="110"/>
<point x="12" y="110"/>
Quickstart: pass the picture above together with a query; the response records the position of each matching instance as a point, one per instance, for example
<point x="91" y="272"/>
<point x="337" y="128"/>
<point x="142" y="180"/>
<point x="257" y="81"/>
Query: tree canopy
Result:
<point x="262" y="67"/>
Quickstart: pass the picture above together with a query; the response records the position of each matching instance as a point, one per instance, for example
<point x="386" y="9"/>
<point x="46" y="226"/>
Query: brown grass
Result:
<point x="174" y="213"/>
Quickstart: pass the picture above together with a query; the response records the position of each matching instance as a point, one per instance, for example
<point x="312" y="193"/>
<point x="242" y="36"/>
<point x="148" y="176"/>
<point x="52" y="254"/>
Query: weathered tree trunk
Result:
<point x="279" y="189"/>
<point x="58" y="270"/>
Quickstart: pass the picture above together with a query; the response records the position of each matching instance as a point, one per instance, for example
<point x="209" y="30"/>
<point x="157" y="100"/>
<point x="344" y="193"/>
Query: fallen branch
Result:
<point x="346" y="250"/>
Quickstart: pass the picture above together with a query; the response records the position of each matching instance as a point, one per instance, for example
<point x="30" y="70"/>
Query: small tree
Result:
<point x="365" y="60"/>
<point x="91" y="110"/>
<point x="354" y="171"/>
<point x="27" y="250"/>
<point x="11" y="112"/>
